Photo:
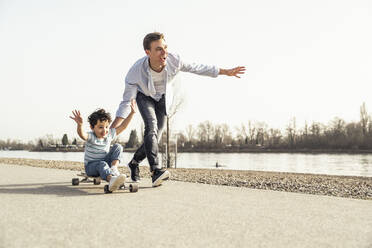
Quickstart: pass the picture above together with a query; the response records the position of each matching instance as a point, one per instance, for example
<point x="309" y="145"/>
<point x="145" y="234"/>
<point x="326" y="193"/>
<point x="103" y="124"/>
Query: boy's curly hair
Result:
<point x="99" y="114"/>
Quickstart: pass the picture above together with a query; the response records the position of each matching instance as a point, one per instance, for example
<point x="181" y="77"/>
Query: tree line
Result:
<point x="206" y="136"/>
<point x="336" y="135"/>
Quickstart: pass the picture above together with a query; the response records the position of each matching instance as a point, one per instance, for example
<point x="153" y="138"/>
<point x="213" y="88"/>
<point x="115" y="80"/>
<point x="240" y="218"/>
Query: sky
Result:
<point x="310" y="60"/>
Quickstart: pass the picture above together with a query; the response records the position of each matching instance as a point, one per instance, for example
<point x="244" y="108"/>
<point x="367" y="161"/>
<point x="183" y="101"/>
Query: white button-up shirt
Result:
<point x="139" y="79"/>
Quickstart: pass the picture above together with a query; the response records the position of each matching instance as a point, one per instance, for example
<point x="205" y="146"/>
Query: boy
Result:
<point x="99" y="159"/>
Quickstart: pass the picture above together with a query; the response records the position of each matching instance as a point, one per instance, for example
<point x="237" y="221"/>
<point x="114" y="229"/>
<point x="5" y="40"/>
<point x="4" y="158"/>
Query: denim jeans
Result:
<point x="154" y="116"/>
<point x="103" y="168"/>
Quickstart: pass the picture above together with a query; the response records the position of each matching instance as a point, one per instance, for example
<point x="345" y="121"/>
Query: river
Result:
<point x="330" y="164"/>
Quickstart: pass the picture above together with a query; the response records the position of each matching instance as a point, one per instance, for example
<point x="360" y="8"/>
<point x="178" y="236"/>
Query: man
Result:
<point x="147" y="81"/>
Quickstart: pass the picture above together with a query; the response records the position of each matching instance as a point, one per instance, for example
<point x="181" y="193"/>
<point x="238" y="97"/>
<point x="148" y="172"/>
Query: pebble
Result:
<point x="340" y="186"/>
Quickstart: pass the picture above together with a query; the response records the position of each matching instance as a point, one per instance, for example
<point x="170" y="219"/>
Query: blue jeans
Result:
<point x="103" y="168"/>
<point x="154" y="116"/>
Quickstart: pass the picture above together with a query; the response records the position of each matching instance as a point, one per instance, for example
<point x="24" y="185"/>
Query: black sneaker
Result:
<point x="134" y="171"/>
<point x="158" y="176"/>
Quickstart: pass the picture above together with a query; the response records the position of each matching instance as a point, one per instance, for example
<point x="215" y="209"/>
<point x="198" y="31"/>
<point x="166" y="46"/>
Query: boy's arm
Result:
<point x="83" y="135"/>
<point x="79" y="121"/>
<point x="127" y="120"/>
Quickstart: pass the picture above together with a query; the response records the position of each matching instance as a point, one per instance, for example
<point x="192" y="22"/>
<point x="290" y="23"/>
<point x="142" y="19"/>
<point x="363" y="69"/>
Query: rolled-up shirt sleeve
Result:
<point x="130" y="93"/>
<point x="200" y="69"/>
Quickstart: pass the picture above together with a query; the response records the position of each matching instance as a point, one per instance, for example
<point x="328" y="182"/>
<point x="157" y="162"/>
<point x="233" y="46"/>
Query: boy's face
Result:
<point x="101" y="129"/>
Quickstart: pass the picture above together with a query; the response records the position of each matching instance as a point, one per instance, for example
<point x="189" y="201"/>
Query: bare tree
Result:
<point x="242" y="134"/>
<point x="210" y="130"/>
<point x="201" y="133"/>
<point x="178" y="101"/>
<point x="190" y="132"/>
<point x="291" y="132"/>
<point x="338" y="127"/>
<point x="251" y="132"/>
<point x="226" y="134"/>
<point x="364" y="118"/>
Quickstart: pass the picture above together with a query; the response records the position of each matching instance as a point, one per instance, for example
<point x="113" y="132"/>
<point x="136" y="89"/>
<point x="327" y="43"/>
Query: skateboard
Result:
<point x="133" y="187"/>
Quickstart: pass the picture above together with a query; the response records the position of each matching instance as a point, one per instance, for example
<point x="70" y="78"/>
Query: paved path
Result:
<point x="40" y="208"/>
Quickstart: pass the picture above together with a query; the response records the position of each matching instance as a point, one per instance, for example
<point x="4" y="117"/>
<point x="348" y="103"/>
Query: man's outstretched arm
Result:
<point x="233" y="72"/>
<point x="208" y="70"/>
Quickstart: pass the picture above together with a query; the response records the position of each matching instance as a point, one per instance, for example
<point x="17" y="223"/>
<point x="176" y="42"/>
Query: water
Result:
<point x="331" y="164"/>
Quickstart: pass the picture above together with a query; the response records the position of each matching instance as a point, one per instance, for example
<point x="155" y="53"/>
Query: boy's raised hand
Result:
<point x="77" y="117"/>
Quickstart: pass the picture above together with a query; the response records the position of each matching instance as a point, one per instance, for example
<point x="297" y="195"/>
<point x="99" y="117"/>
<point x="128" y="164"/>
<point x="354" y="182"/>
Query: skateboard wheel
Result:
<point x="133" y="188"/>
<point x="106" y="189"/>
<point x="97" y="181"/>
<point x="122" y="186"/>
<point x="75" y="181"/>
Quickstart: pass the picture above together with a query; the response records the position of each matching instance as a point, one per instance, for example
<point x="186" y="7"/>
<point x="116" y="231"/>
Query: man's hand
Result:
<point x="233" y="72"/>
<point x="77" y="117"/>
<point x="123" y="124"/>
<point x="133" y="106"/>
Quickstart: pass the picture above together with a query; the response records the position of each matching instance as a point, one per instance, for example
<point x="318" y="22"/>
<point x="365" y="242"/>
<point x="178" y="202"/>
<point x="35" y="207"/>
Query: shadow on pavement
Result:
<point x="57" y="188"/>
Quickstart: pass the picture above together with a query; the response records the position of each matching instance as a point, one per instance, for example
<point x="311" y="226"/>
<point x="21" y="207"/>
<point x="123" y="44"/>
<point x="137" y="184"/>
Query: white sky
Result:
<point x="306" y="59"/>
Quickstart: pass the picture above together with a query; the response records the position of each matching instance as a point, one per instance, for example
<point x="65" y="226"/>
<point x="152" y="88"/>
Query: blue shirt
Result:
<point x="139" y="79"/>
<point x="96" y="149"/>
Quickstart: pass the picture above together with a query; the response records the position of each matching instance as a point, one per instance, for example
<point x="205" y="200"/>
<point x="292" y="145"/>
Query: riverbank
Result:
<point x="267" y="150"/>
<point x="227" y="150"/>
<point x="340" y="186"/>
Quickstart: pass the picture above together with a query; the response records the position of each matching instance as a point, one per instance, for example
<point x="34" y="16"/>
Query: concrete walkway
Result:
<point x="40" y="208"/>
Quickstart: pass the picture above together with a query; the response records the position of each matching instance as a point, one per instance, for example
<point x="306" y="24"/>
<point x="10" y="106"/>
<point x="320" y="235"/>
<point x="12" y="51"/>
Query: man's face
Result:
<point x="101" y="129"/>
<point x="158" y="53"/>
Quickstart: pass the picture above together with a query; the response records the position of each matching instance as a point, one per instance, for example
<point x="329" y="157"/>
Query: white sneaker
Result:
<point x="115" y="170"/>
<point x="116" y="182"/>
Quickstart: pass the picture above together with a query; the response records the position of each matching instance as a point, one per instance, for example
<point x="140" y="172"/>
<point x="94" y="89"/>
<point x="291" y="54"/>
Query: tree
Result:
<point x="291" y="132"/>
<point x="133" y="139"/>
<point x="364" y="118"/>
<point x="261" y="133"/>
<point x="242" y="135"/>
<point x="64" y="140"/>
<point x="251" y="132"/>
<point x="40" y="143"/>
<point x="201" y="133"/>
<point x="177" y="103"/>
<point x="275" y="136"/>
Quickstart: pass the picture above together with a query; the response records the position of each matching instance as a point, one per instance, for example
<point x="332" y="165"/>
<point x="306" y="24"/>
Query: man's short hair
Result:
<point x="99" y="114"/>
<point x="150" y="38"/>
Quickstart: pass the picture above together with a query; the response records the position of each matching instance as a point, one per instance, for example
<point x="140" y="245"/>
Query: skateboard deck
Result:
<point x="84" y="178"/>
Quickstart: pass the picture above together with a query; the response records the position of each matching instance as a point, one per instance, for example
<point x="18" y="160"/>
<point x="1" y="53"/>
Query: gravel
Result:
<point x="340" y="186"/>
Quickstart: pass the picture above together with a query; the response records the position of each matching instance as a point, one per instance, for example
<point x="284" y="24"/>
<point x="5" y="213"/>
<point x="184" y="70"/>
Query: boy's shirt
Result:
<point x="97" y="149"/>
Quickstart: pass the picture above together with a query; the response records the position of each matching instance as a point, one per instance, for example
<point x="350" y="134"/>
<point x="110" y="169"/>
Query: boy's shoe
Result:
<point x="158" y="176"/>
<point x="134" y="171"/>
<point x="115" y="170"/>
<point x="116" y="182"/>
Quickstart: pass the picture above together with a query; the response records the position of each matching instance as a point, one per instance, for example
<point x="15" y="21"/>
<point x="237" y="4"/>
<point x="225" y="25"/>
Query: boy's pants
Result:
<point x="103" y="168"/>
<point x="154" y="116"/>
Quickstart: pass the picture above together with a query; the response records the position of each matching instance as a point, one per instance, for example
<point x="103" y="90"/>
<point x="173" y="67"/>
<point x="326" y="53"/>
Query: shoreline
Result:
<point x="340" y="186"/>
<point x="227" y="150"/>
